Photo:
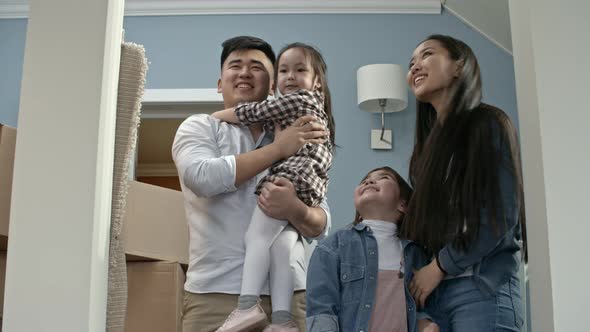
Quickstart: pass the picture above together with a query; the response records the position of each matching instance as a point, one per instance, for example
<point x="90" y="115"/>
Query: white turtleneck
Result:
<point x="389" y="245"/>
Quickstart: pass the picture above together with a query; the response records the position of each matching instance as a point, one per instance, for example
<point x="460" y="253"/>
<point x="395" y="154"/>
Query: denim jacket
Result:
<point x="342" y="280"/>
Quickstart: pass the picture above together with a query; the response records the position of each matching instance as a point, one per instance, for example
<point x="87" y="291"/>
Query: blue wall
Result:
<point x="12" y="52"/>
<point x="183" y="52"/>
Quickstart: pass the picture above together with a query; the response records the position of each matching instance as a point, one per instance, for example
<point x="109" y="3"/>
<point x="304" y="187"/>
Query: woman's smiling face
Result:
<point x="432" y="72"/>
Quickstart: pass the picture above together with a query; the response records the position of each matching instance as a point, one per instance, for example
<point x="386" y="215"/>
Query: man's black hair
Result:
<point x="243" y="43"/>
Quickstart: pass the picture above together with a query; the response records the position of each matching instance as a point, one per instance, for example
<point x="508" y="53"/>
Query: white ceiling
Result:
<point x="491" y="18"/>
<point x="19" y="8"/>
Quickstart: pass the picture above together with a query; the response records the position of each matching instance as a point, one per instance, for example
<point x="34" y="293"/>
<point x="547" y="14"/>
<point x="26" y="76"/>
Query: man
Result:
<point x="219" y="165"/>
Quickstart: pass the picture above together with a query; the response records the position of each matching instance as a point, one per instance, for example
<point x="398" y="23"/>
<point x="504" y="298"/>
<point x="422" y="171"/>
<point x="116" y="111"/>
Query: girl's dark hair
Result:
<point x="405" y="191"/>
<point x="320" y="69"/>
<point x="455" y="165"/>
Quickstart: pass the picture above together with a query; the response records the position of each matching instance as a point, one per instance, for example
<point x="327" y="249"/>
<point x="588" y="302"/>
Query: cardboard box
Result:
<point x="7" y="146"/>
<point x="154" y="225"/>
<point x="155" y="296"/>
<point x="2" y="281"/>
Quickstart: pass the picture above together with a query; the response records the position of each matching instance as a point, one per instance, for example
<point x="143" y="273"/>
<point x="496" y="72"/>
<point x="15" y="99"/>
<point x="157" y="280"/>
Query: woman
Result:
<point x="467" y="211"/>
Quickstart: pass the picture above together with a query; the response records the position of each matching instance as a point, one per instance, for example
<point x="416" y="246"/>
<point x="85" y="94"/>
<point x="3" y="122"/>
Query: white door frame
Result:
<point x="58" y="241"/>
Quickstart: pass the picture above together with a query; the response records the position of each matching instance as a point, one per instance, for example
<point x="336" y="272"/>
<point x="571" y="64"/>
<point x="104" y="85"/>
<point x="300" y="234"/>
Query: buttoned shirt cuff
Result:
<point x="229" y="181"/>
<point x="324" y="233"/>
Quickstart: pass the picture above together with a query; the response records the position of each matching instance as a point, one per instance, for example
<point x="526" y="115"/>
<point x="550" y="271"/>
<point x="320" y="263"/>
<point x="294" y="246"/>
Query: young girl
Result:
<point x="301" y="79"/>
<point x="355" y="280"/>
<point x="467" y="211"/>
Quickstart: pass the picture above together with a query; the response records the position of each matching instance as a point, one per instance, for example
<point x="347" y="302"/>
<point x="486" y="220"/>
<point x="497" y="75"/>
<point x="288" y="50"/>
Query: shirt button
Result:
<point x="372" y="253"/>
<point x="367" y="305"/>
<point x="344" y="277"/>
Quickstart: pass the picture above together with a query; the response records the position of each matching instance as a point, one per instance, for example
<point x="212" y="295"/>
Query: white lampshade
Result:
<point x="381" y="81"/>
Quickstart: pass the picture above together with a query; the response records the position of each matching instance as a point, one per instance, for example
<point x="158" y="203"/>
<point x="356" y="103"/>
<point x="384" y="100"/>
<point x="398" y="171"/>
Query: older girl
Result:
<point x="355" y="280"/>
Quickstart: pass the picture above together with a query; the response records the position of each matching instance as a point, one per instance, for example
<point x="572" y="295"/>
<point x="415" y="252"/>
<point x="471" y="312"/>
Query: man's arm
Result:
<point x="206" y="172"/>
<point x="279" y="200"/>
<point x="251" y="163"/>
<point x="226" y="115"/>
<point x="201" y="167"/>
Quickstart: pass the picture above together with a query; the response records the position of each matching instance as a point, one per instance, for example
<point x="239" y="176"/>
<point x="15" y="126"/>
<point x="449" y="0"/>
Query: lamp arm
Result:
<point x="382" y="103"/>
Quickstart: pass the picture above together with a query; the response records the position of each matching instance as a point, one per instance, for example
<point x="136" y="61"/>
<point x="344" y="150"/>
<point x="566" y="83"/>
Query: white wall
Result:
<point x="551" y="48"/>
<point x="60" y="217"/>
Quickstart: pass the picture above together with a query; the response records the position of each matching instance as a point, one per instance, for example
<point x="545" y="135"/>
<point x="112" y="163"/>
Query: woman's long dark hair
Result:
<point x="320" y="70"/>
<point x="455" y="164"/>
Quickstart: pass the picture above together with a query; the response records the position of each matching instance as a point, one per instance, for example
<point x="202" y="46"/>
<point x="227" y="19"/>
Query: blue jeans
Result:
<point x="458" y="305"/>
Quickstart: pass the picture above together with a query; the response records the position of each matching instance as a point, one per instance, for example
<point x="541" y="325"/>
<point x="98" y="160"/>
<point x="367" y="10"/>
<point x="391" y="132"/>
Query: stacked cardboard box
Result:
<point x="154" y="225"/>
<point x="7" y="145"/>
<point x="155" y="296"/>
<point x="155" y="234"/>
<point x="2" y="280"/>
<point x="156" y="237"/>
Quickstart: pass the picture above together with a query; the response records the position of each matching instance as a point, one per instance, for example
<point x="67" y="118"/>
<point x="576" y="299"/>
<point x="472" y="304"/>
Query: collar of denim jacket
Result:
<point x="360" y="226"/>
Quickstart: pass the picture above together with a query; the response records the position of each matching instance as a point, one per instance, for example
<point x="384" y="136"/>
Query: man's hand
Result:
<point x="424" y="282"/>
<point x="279" y="200"/>
<point x="227" y="115"/>
<point x="302" y="131"/>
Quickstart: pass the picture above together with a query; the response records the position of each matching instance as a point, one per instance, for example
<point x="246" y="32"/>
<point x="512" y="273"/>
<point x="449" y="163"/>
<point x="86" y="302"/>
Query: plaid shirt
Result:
<point x="308" y="168"/>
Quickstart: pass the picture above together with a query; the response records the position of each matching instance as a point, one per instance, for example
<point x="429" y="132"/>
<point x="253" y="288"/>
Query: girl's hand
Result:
<point x="424" y="282"/>
<point x="226" y="115"/>
<point x="294" y="137"/>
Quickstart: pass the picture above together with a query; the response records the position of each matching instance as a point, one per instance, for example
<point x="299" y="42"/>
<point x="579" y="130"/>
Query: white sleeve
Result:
<point x="200" y="165"/>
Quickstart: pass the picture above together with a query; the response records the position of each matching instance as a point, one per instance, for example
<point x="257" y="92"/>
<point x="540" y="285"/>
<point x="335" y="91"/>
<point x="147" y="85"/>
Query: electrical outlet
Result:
<point x="378" y="143"/>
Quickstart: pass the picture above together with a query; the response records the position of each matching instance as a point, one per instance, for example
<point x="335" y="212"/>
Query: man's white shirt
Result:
<point x="218" y="213"/>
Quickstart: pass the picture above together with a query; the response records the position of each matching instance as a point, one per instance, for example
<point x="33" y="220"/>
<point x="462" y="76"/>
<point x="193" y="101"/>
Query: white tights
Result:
<point x="269" y="243"/>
